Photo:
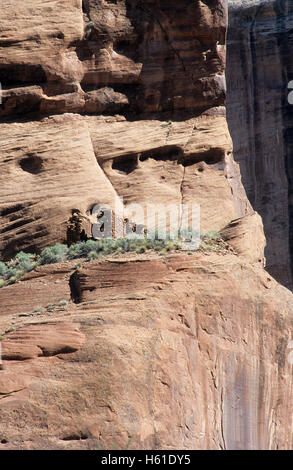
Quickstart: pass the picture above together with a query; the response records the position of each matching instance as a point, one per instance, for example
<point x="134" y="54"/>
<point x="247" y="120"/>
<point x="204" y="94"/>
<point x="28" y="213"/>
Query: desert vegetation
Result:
<point x="22" y="263"/>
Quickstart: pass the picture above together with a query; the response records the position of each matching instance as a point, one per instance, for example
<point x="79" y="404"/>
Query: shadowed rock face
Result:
<point x="259" y="68"/>
<point x="105" y="57"/>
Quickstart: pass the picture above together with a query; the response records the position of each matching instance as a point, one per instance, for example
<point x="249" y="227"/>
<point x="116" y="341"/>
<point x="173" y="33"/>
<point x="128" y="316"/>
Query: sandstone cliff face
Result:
<point x="136" y="56"/>
<point x="158" y="63"/>
<point x="186" y="353"/>
<point x="106" y="99"/>
<point x="259" y="68"/>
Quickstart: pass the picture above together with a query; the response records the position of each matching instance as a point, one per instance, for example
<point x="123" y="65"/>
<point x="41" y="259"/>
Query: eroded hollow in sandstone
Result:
<point x="32" y="164"/>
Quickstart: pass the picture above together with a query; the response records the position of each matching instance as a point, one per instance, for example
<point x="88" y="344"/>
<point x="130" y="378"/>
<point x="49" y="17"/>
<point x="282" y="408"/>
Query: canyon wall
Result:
<point x="259" y="68"/>
<point x="112" y="99"/>
<point x="189" y="350"/>
<point x="186" y="352"/>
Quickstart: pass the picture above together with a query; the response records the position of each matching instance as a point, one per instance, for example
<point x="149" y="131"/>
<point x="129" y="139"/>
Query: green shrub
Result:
<point x="74" y="251"/>
<point x="92" y="255"/>
<point x="11" y="272"/>
<point x="122" y="245"/>
<point x="140" y="249"/>
<point x="39" y="310"/>
<point x="107" y="245"/>
<point x="9" y="330"/>
<point x="211" y="235"/>
<point x="20" y="273"/>
<point x="14" y="269"/>
<point x="53" y="254"/>
<point x="91" y="246"/>
<point x="82" y="250"/>
<point x="212" y="241"/>
<point x="3" y="269"/>
<point x="24" y="262"/>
